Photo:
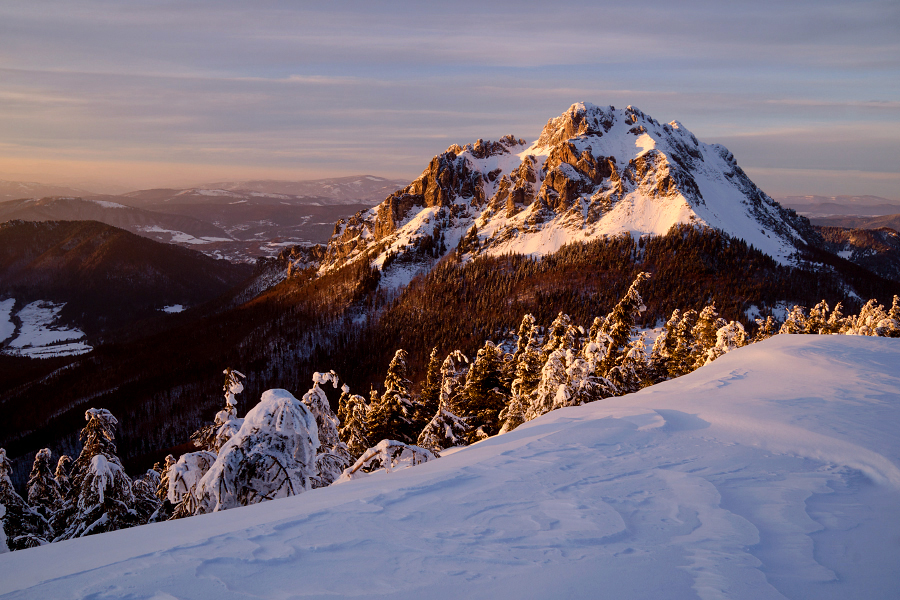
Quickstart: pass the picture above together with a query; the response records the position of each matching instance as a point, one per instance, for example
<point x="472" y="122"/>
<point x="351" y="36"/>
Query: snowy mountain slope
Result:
<point x="773" y="472"/>
<point x="592" y="172"/>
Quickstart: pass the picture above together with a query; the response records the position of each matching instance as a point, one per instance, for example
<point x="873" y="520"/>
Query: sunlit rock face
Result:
<point x="593" y="171"/>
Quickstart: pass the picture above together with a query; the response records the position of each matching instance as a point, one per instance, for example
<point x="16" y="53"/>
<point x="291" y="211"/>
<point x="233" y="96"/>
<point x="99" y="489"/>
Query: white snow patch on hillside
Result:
<point x="42" y="336"/>
<point x="107" y="204"/>
<point x="771" y="473"/>
<point x="7" y="327"/>
<point x="174" y="308"/>
<point x="180" y="237"/>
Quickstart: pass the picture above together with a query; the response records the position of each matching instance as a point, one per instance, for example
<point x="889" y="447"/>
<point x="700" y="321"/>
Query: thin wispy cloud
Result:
<point x="301" y="87"/>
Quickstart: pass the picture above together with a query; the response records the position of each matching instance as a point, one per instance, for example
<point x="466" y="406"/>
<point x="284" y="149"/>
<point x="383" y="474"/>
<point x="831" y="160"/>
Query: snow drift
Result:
<point x="773" y="472"/>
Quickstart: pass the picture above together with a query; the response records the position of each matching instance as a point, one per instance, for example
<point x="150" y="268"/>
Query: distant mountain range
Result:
<point x="239" y="221"/>
<point x="14" y="190"/>
<point x="828" y="206"/>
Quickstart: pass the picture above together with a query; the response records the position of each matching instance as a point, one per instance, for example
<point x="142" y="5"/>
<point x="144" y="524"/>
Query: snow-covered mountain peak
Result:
<point x="593" y="171"/>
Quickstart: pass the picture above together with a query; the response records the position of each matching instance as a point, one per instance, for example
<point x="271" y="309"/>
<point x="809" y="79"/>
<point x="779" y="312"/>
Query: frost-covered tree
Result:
<point x="620" y="324"/>
<point x="683" y="344"/>
<point x="483" y="394"/>
<point x="43" y="490"/>
<point x="528" y="364"/>
<point x="389" y="455"/>
<point x="21" y="526"/>
<point x="105" y="500"/>
<point x="728" y="337"/>
<point x="213" y="436"/>
<point x="558" y="336"/>
<point x="892" y="328"/>
<point x="273" y="455"/>
<point x="587" y="381"/>
<point x="393" y="415"/>
<point x="633" y="371"/>
<point x="61" y="475"/>
<point x="551" y="389"/>
<point x="817" y="322"/>
<point x="101" y="497"/>
<point x="352" y="411"/>
<point x="430" y="397"/>
<point x="164" y="507"/>
<point x="332" y="456"/>
<point x="664" y="347"/>
<point x="837" y="322"/>
<point x="183" y="477"/>
<point x="146" y="503"/>
<point x="447" y="428"/>
<point x="768" y="327"/>
<point x="796" y="321"/>
<point x="705" y="334"/>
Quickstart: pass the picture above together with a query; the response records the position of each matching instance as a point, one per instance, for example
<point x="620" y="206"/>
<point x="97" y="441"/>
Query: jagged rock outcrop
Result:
<point x="593" y="171"/>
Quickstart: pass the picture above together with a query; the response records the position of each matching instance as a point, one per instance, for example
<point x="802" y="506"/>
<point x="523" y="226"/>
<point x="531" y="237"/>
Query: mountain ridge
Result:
<point x="593" y="171"/>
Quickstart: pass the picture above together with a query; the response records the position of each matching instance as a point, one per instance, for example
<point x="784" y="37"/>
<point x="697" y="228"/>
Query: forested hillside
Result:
<point x="163" y="385"/>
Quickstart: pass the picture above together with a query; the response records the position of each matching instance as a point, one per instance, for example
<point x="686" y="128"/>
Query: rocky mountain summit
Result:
<point x="594" y="171"/>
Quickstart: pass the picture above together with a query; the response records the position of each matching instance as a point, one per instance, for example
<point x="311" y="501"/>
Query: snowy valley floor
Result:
<point x="773" y="472"/>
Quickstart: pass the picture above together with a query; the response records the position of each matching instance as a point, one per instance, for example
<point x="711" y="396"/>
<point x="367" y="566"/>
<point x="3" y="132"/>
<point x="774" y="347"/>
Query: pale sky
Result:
<point x="132" y="94"/>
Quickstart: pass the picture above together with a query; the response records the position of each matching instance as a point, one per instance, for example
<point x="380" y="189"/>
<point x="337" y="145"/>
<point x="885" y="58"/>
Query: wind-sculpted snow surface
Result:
<point x="773" y="472"/>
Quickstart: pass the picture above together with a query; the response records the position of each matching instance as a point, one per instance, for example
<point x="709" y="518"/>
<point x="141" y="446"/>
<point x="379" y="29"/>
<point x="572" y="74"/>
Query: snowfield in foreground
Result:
<point x="770" y="473"/>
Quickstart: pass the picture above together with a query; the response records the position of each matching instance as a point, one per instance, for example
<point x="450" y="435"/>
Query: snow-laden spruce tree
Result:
<point x="164" y="507"/>
<point x="388" y="455"/>
<point x="352" y="413"/>
<point x="705" y="334"/>
<point x="585" y="379"/>
<point x="527" y="362"/>
<point x="664" y="348"/>
<point x="273" y="455"/>
<point x="143" y="489"/>
<point x="728" y="337"/>
<point x="633" y="371"/>
<point x="430" y="396"/>
<point x="560" y="335"/>
<point x="447" y="428"/>
<point x="483" y="393"/>
<point x="61" y="475"/>
<point x="874" y="320"/>
<point x="817" y="322"/>
<point x="795" y="322"/>
<point x="551" y="389"/>
<point x="892" y="329"/>
<point x="393" y="415"/>
<point x="621" y="323"/>
<point x="683" y="345"/>
<point x="768" y="327"/>
<point x="332" y="456"/>
<point x="213" y="436"/>
<point x="101" y="499"/>
<point x="21" y="526"/>
<point x="837" y="322"/>
<point x="43" y="490"/>
<point x="183" y="477"/>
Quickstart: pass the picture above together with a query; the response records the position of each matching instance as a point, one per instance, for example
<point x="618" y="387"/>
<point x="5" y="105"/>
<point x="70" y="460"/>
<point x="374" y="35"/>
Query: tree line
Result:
<point x="284" y="446"/>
